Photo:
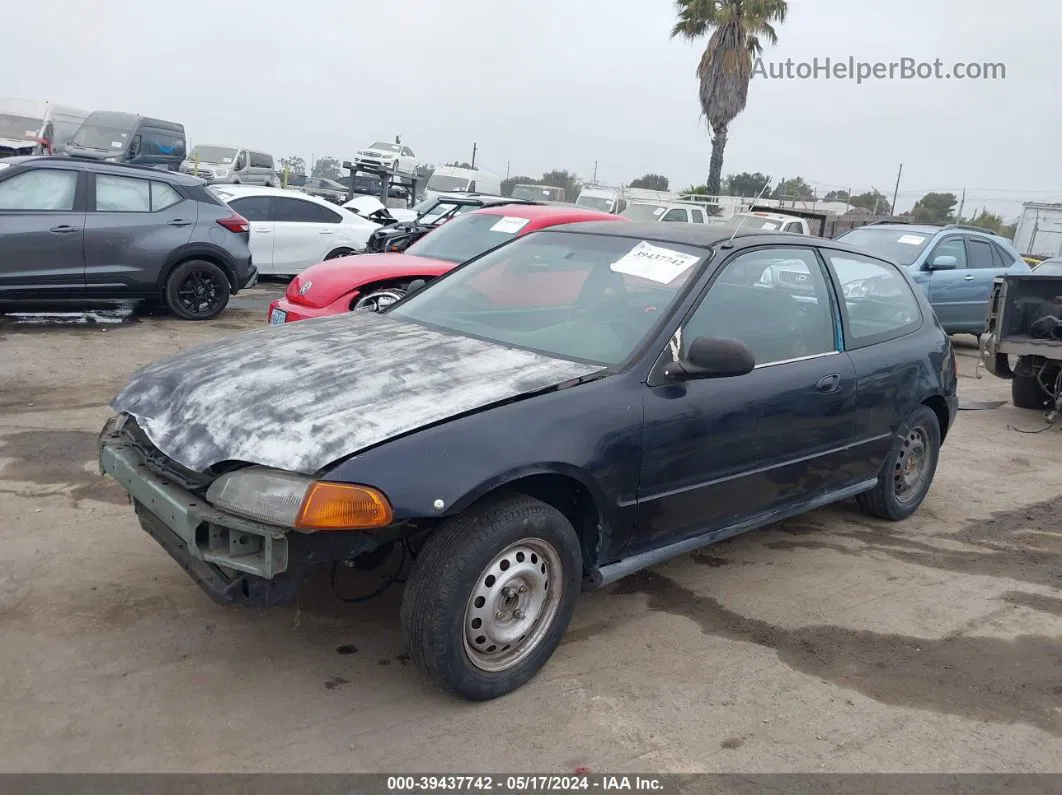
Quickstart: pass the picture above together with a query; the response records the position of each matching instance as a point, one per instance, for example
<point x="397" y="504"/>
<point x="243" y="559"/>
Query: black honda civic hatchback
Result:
<point x="571" y="407"/>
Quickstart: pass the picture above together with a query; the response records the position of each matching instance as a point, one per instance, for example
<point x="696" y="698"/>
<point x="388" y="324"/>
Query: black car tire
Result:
<point x="1026" y="392"/>
<point x="895" y="497"/>
<point x="453" y="571"/>
<point x="339" y="252"/>
<point x="191" y="275"/>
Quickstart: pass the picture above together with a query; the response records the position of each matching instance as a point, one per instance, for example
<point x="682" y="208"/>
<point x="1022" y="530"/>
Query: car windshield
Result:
<point x="899" y="245"/>
<point x="213" y="154"/>
<point x="386" y="147"/>
<point x="466" y="237"/>
<point x="19" y="127"/>
<point x="442" y="182"/>
<point x="102" y="138"/>
<point x="644" y="212"/>
<point x="577" y="296"/>
<point x="437" y="210"/>
<point x="596" y="202"/>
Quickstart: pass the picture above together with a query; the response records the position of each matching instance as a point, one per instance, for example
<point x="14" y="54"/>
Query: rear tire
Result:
<point x="908" y="470"/>
<point x="197" y="290"/>
<point x="1026" y="392"/>
<point x="491" y="595"/>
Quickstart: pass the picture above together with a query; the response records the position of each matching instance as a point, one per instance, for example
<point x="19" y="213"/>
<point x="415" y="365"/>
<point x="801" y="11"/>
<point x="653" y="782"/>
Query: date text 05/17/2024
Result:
<point x="525" y="783"/>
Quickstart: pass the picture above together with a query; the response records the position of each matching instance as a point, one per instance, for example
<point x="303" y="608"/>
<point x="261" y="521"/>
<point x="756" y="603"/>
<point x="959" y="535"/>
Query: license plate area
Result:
<point x="278" y="317"/>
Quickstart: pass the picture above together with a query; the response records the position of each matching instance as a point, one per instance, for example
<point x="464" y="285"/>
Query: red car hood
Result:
<point x="324" y="283"/>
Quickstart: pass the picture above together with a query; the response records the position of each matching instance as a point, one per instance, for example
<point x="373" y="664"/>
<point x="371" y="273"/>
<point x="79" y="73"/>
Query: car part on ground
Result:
<point x="76" y="229"/>
<point x="595" y="352"/>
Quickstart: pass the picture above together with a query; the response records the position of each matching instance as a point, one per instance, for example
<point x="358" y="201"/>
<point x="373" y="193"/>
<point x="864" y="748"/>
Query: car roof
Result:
<point x="116" y="169"/>
<point x="549" y="214"/>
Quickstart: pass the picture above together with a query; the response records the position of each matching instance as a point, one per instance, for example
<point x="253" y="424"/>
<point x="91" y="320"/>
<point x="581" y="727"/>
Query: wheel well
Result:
<point x="206" y="257"/>
<point x="940" y="408"/>
<point x="368" y="288"/>
<point x="572" y="499"/>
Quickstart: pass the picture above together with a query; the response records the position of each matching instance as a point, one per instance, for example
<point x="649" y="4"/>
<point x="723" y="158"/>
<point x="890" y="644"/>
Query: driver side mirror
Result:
<point x="944" y="262"/>
<point x="712" y="357"/>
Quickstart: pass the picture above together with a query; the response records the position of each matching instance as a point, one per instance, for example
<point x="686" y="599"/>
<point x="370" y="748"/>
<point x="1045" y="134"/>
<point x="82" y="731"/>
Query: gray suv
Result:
<point x="80" y="229"/>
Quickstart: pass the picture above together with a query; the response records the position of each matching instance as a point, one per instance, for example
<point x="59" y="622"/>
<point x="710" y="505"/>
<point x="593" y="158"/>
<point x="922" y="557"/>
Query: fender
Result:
<point x="206" y="251"/>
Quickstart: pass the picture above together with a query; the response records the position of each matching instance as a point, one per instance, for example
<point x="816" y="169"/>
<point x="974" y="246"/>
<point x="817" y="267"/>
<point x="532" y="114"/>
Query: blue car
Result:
<point x="955" y="265"/>
<point x="562" y="411"/>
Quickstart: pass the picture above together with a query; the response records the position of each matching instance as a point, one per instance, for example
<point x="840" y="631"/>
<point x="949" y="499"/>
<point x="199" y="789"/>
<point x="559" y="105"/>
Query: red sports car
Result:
<point x="371" y="282"/>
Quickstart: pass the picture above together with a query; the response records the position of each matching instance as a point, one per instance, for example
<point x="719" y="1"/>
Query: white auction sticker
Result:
<point x="116" y="144"/>
<point x="911" y="240"/>
<point x="510" y="225"/>
<point x="659" y="211"/>
<point x="655" y="263"/>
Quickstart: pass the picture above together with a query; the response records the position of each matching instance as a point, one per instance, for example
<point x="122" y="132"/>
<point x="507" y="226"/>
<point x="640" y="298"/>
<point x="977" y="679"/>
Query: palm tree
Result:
<point x="736" y="28"/>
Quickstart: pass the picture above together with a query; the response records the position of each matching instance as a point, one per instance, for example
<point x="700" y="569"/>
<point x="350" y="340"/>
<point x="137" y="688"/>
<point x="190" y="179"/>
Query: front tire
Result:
<point x="197" y="290"/>
<point x="1026" y="392"/>
<point x="908" y="471"/>
<point x="491" y="596"/>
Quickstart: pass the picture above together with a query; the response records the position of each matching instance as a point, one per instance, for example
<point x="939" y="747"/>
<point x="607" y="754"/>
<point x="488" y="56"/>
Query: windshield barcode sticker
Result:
<point x="510" y="225"/>
<point x="911" y="240"/>
<point x="655" y="263"/>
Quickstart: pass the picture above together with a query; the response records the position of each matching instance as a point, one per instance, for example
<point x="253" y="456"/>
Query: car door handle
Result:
<point x="261" y="230"/>
<point x="64" y="229"/>
<point x="180" y="222"/>
<point x="829" y="383"/>
<point x="325" y="232"/>
<point x="969" y="277"/>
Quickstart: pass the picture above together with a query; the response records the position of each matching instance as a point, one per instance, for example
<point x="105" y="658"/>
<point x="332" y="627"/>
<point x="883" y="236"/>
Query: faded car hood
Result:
<point x="302" y="395"/>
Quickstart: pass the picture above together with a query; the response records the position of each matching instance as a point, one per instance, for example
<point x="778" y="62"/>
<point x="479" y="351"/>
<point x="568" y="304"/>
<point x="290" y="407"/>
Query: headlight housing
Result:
<point x="287" y="499"/>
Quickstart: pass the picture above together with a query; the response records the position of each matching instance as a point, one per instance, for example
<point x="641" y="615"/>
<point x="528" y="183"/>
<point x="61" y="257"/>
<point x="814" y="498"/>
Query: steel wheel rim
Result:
<point x="200" y="291"/>
<point x="513" y="605"/>
<point x="378" y="301"/>
<point x="912" y="465"/>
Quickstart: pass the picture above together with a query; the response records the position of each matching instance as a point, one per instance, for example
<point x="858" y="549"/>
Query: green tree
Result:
<point x="562" y="178"/>
<point x="935" y="208"/>
<point x="795" y="188"/>
<point x="294" y="165"/>
<point x="836" y="196"/>
<point x="327" y="168"/>
<point x="745" y="184"/>
<point x="457" y="164"/>
<point x="510" y="183"/>
<point x="651" y="182"/>
<point x="734" y="29"/>
<point x="873" y="201"/>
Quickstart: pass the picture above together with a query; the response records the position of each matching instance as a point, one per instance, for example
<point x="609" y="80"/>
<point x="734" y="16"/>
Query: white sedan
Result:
<point x="291" y="231"/>
<point x="396" y="156"/>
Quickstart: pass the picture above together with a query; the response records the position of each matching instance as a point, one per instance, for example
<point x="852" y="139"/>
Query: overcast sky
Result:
<point x="564" y="83"/>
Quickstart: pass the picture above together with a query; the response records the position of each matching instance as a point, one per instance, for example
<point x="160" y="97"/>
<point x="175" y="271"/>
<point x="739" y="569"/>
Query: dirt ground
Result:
<point x="827" y="643"/>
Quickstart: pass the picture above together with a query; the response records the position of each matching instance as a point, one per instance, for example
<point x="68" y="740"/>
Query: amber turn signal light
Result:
<point x="342" y="506"/>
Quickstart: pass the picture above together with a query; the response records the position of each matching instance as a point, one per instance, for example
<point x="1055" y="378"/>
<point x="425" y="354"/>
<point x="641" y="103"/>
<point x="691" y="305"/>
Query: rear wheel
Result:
<point x="1026" y="392"/>
<point x="908" y="471"/>
<point x="197" y="290"/>
<point x="491" y="595"/>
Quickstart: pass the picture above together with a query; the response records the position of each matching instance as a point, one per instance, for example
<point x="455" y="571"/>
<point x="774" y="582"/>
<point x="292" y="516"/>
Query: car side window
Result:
<point x="253" y="208"/>
<point x="122" y="194"/>
<point x="241" y="161"/>
<point x="677" y="214"/>
<point x="950" y="247"/>
<point x="299" y="211"/>
<point x="980" y="253"/>
<point x="1001" y="257"/>
<point x="793" y="226"/>
<point x="879" y="302"/>
<point x="697" y="216"/>
<point x="407" y="152"/>
<point x="42" y="189"/>
<point x="163" y="196"/>
<point x="776" y="300"/>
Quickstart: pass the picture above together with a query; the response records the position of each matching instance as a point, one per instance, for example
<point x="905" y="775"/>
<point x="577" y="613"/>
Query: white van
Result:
<point x="233" y="165"/>
<point x="29" y="127"/>
<point x="448" y="179"/>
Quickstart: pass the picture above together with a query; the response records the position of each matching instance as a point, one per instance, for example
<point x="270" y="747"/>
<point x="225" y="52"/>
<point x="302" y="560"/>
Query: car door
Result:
<point x="718" y="452"/>
<point x="259" y="211"/>
<point x="952" y="289"/>
<point x="408" y="160"/>
<point x="42" y="231"/>
<point x="132" y="226"/>
<point x="304" y="232"/>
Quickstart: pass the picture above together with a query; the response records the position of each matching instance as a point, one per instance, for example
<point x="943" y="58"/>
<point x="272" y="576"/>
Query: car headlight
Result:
<point x="860" y="288"/>
<point x="287" y="499"/>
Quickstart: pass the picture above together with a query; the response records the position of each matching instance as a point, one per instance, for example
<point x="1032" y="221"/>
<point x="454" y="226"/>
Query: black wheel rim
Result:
<point x="201" y="292"/>
<point x="912" y="465"/>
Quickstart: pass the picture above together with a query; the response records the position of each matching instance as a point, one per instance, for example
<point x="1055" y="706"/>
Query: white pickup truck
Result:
<point x="770" y="222"/>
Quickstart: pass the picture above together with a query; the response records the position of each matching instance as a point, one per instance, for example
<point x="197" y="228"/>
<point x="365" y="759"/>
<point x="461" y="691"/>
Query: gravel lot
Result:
<point x="827" y="643"/>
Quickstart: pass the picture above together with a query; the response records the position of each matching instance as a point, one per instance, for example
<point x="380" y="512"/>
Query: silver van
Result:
<point x="230" y="164"/>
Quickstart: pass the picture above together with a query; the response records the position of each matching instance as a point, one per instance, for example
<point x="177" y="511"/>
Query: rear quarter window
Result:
<point x="878" y="302"/>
